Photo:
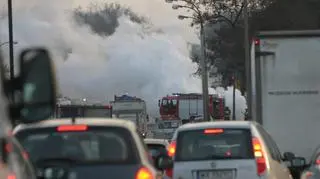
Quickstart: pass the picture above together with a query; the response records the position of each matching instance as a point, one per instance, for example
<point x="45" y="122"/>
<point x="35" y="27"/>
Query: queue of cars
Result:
<point x="112" y="148"/>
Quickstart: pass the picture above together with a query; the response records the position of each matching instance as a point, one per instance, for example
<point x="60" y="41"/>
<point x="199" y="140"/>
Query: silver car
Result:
<point x="226" y="150"/>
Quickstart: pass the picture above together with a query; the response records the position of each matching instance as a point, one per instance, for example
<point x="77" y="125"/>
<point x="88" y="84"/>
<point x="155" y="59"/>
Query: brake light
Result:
<point x="144" y="173"/>
<point x="169" y="172"/>
<point x="11" y="176"/>
<point x="256" y="41"/>
<point x="258" y="154"/>
<point x="8" y="147"/>
<point x="213" y="131"/>
<point x="67" y="128"/>
<point x="25" y="155"/>
<point x="172" y="149"/>
<point x="308" y="175"/>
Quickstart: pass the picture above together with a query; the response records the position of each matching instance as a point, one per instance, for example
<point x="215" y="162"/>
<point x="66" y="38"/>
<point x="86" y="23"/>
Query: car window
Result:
<point x="276" y="149"/>
<point x="96" y="144"/>
<point x="228" y="144"/>
<point x="157" y="149"/>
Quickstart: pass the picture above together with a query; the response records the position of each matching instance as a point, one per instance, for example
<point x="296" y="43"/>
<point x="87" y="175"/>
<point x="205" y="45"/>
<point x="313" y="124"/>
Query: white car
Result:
<point x="226" y="150"/>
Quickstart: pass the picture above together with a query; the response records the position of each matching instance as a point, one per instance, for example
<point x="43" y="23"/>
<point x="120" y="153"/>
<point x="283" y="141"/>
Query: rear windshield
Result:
<point x="96" y="144"/>
<point x="157" y="149"/>
<point x="230" y="144"/>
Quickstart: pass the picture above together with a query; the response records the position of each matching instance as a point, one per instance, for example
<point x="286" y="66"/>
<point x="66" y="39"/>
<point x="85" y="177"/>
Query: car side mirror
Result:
<point x="288" y="156"/>
<point x="38" y="85"/>
<point x="164" y="162"/>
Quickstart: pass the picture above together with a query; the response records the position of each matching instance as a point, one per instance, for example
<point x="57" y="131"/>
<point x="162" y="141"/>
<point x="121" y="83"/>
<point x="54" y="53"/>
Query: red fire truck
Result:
<point x="186" y="106"/>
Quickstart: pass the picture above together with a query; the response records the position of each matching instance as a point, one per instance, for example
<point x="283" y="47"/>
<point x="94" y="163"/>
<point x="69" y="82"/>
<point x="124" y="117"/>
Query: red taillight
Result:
<point x="144" y="173"/>
<point x="169" y="172"/>
<point x="172" y="149"/>
<point x="258" y="153"/>
<point x="308" y="175"/>
<point x="25" y="155"/>
<point x="213" y="131"/>
<point x="257" y="42"/>
<point x="8" y="147"/>
<point x="11" y="176"/>
<point x="67" y="128"/>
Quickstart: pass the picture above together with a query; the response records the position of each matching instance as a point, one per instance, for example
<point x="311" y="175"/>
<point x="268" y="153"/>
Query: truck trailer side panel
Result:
<point x="289" y="79"/>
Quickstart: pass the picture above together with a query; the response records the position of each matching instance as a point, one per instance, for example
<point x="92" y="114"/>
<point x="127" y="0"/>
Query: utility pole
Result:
<point x="247" y="59"/>
<point x="204" y="74"/>
<point x="11" y="43"/>
<point x="234" y="96"/>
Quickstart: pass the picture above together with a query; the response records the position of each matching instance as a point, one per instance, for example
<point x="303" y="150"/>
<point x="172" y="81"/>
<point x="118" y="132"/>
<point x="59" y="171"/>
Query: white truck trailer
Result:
<point x="74" y="108"/>
<point x="131" y="108"/>
<point x="285" y="87"/>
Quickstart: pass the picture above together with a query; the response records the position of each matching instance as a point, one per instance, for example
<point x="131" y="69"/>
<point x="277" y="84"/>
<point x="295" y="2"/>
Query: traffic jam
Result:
<point x="81" y="138"/>
<point x="120" y="140"/>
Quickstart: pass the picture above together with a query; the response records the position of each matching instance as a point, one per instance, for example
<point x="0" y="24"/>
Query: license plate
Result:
<point x="219" y="174"/>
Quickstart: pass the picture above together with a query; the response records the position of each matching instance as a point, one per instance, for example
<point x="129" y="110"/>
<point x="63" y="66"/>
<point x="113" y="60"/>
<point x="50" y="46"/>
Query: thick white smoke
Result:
<point x="133" y="60"/>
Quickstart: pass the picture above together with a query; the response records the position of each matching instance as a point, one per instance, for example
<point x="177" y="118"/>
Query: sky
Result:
<point x="133" y="60"/>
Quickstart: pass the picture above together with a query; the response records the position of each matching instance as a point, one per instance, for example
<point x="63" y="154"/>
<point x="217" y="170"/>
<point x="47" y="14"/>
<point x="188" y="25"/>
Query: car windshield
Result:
<point x="97" y="144"/>
<point x="229" y="144"/>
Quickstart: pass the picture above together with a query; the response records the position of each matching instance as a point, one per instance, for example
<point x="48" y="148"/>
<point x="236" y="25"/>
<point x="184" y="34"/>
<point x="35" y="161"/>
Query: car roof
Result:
<point x="108" y="122"/>
<point x="156" y="141"/>
<point x="217" y="124"/>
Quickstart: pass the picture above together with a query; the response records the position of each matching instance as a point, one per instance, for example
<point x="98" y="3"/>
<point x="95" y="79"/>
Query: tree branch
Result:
<point x="238" y="15"/>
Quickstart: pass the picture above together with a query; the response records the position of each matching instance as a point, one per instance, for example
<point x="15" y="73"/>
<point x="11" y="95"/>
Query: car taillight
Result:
<point x="258" y="154"/>
<point x="8" y="148"/>
<point x="169" y="172"/>
<point x="172" y="149"/>
<point x="144" y="173"/>
<point x="11" y="176"/>
<point x="308" y="175"/>
<point x="25" y="155"/>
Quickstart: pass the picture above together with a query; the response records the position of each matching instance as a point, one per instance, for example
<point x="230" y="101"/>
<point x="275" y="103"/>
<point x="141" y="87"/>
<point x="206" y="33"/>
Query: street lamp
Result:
<point x="4" y="43"/>
<point x="203" y="64"/>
